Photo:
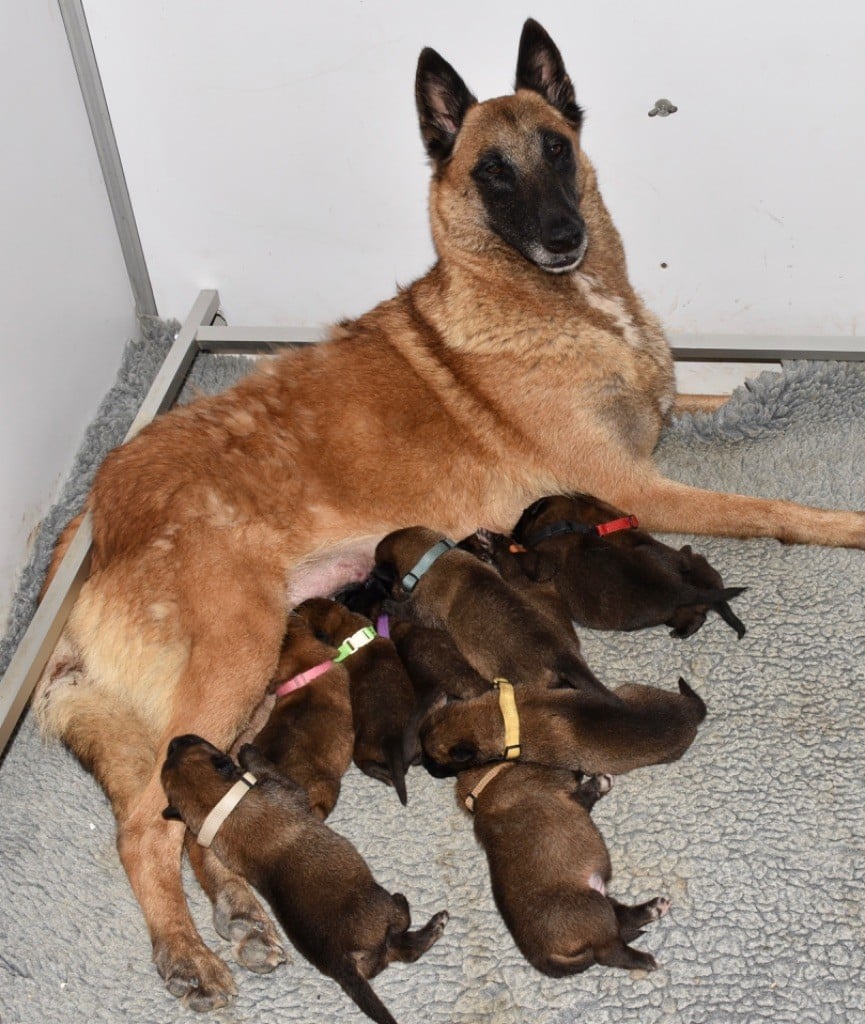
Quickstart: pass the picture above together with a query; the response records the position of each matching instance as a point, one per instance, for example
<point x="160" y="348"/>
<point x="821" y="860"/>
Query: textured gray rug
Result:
<point x="757" y="835"/>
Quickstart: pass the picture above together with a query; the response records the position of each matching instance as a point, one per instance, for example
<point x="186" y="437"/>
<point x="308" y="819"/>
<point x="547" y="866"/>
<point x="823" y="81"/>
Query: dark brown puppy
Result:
<point x="496" y="629"/>
<point x="382" y="700"/>
<point x="529" y="572"/>
<point x="562" y="729"/>
<point x="549" y="869"/>
<point x="624" y="579"/>
<point x="309" y="734"/>
<point x="436" y="669"/>
<point x="318" y="885"/>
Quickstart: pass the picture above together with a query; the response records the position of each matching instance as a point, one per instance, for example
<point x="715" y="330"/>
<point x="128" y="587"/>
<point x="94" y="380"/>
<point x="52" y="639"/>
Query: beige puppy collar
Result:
<point x="213" y="822"/>
<point x="471" y="801"/>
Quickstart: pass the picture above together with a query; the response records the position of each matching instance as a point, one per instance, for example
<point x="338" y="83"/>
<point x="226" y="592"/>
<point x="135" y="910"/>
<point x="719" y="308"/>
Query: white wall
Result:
<point x="272" y="147"/>
<point x="66" y="304"/>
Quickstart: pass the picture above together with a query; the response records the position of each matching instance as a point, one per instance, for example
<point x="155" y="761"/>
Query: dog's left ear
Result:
<point x="442" y="99"/>
<point x="540" y="68"/>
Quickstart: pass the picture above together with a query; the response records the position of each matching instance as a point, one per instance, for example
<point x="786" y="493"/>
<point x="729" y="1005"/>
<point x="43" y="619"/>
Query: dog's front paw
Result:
<point x="195" y="974"/>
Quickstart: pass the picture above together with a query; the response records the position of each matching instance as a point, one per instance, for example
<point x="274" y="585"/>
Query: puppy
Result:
<point x="309" y="734"/>
<point x="497" y="630"/>
<point x="437" y="670"/>
<point x="549" y="869"/>
<point x="382" y="701"/>
<point x="623" y="579"/>
<point x="562" y="729"/>
<point x="319" y="887"/>
<point x="529" y="572"/>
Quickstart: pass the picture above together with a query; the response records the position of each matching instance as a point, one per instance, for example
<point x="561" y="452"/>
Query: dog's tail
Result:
<point x="355" y="985"/>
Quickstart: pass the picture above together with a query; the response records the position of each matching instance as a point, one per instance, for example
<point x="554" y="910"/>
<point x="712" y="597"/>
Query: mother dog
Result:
<point x="522" y="364"/>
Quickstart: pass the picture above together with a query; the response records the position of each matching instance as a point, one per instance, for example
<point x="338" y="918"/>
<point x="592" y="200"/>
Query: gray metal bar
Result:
<point x="93" y="94"/>
<point x="46" y="625"/>
<point x="760" y="348"/>
<point x="252" y="340"/>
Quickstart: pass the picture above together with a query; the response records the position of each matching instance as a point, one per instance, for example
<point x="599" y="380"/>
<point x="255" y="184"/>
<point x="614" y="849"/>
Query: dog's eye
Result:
<point x="224" y="765"/>
<point x="556" y="147"/>
<point x="493" y="169"/>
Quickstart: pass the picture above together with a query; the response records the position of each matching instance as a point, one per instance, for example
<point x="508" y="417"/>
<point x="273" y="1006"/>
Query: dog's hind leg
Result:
<point x="237" y="915"/>
<point x="667" y="506"/>
<point x="698" y="403"/>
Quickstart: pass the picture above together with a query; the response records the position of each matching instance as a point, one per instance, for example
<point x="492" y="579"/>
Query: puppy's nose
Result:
<point x="438" y="771"/>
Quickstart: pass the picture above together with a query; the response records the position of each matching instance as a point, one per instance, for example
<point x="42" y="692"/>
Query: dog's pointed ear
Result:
<point x="442" y="99"/>
<point x="540" y="68"/>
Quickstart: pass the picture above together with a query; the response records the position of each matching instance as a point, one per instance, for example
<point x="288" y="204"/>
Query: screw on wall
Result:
<point x="663" y="108"/>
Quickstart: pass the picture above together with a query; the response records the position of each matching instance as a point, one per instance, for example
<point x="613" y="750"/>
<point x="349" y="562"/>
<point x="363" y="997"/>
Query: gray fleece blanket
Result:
<point x="756" y="835"/>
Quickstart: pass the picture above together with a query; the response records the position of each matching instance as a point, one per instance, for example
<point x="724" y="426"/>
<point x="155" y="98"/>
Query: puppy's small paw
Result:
<point x="604" y="784"/>
<point x="438" y="921"/>
<point x="657" y="907"/>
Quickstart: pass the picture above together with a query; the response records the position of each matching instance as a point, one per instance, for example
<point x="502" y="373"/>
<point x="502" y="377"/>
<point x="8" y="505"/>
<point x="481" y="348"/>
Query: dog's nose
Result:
<point x="564" y="235"/>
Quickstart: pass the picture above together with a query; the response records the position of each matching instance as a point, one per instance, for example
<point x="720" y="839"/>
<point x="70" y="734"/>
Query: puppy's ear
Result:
<point x="171" y="814"/>
<point x="442" y="99"/>
<point x="540" y="68"/>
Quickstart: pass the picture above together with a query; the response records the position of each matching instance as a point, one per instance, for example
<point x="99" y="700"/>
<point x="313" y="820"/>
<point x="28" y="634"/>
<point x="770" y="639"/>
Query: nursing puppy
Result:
<point x="437" y="670"/>
<point x="382" y="701"/>
<point x="550" y="868"/>
<point x="562" y="729"/>
<point x="496" y="629"/>
<point x="523" y="362"/>
<point x="318" y="885"/>
<point x="623" y="579"/>
<point x="309" y="734"/>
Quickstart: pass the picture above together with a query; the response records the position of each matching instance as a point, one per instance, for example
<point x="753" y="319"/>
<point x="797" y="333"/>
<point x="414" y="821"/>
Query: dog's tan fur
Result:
<point x="482" y="386"/>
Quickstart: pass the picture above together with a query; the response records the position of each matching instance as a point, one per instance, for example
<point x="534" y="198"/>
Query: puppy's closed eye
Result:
<point x="171" y="814"/>
<point x="462" y="752"/>
<point x="224" y="765"/>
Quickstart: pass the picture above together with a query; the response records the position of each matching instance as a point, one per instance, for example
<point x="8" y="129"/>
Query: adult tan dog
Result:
<point x="522" y="364"/>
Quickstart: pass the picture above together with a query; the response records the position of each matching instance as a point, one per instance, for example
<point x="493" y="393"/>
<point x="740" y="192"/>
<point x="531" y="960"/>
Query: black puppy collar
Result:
<point x="569" y="526"/>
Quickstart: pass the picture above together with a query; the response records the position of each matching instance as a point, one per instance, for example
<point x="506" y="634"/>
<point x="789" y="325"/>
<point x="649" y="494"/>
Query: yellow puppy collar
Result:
<point x="508" y="706"/>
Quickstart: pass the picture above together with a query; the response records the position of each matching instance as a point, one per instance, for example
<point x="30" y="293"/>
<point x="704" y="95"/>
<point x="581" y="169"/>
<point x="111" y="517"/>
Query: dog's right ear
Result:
<point x="442" y="99"/>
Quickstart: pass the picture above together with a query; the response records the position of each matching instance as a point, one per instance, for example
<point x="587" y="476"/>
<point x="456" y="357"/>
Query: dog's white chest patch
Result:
<point x="610" y="306"/>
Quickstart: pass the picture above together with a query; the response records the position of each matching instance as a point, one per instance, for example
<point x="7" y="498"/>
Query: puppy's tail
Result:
<point x="697" y="703"/>
<point x="727" y="613"/>
<point x="394" y="754"/>
<point x="355" y="985"/>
